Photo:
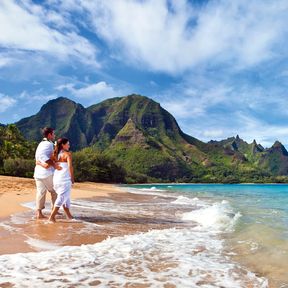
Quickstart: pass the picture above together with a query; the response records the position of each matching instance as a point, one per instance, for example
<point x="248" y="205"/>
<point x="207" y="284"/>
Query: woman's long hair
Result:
<point x="58" y="146"/>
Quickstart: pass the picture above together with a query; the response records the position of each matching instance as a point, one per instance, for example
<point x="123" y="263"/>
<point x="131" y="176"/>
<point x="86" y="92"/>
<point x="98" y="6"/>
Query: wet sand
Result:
<point x="15" y="190"/>
<point x="105" y="214"/>
<point x="20" y="232"/>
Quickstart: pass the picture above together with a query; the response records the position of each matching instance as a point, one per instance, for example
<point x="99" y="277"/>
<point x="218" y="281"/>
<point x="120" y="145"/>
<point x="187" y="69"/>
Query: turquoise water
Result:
<point x="266" y="204"/>
<point x="230" y="236"/>
<point x="260" y="235"/>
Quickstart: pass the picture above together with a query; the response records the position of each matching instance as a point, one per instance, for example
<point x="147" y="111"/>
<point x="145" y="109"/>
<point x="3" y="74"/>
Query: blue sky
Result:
<point x="220" y="67"/>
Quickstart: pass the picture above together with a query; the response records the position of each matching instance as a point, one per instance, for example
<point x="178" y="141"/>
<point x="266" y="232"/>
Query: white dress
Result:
<point x="62" y="184"/>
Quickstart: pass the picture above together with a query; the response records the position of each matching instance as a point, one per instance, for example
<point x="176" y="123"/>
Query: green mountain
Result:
<point x="67" y="117"/>
<point x="125" y="128"/>
<point x="275" y="159"/>
<point x="146" y="140"/>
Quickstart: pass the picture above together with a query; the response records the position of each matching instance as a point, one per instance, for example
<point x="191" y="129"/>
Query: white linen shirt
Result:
<point x="43" y="153"/>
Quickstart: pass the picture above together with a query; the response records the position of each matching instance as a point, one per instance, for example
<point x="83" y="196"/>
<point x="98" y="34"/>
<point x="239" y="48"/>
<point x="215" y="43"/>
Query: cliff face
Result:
<point x="275" y="159"/>
<point x="146" y="139"/>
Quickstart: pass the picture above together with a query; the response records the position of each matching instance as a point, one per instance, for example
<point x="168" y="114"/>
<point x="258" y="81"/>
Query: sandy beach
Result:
<point x="143" y="229"/>
<point x="16" y="217"/>
<point x="21" y="232"/>
<point x="16" y="190"/>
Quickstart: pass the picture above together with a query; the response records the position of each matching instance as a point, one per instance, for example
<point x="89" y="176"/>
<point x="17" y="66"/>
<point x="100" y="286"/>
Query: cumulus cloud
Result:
<point x="5" y="61"/>
<point x="96" y="91"/>
<point x="39" y="95"/>
<point x="194" y="102"/>
<point x="6" y="102"/>
<point x="247" y="126"/>
<point x="210" y="110"/>
<point x="173" y="36"/>
<point x="23" y="28"/>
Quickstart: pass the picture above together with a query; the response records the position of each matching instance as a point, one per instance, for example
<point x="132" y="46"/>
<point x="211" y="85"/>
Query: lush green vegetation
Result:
<point x="133" y="139"/>
<point x="16" y="153"/>
<point x="92" y="165"/>
<point x="17" y="159"/>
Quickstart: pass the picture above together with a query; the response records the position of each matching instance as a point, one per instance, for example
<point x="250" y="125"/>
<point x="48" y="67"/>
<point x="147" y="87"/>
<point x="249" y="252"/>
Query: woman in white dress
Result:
<point x="62" y="179"/>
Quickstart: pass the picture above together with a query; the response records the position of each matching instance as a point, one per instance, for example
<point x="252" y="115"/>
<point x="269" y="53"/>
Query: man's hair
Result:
<point x="46" y="131"/>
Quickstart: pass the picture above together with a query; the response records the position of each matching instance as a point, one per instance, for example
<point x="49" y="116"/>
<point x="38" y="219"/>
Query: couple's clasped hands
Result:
<point x="55" y="165"/>
<point x="46" y="165"/>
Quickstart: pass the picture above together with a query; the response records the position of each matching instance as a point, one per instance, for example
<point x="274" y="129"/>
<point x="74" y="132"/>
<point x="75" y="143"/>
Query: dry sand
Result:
<point x="15" y="190"/>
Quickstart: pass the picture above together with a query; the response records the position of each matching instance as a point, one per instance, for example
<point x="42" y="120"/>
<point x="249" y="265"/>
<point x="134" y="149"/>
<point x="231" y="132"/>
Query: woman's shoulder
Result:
<point x="67" y="154"/>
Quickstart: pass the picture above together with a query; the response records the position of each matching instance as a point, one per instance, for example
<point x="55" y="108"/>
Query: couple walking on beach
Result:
<point x="54" y="173"/>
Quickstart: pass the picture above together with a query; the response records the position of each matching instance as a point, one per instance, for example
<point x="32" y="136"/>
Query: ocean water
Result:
<point x="158" y="236"/>
<point x="257" y="235"/>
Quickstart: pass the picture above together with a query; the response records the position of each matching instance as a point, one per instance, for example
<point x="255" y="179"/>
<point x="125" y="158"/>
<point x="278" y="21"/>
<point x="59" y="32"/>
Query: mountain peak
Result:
<point x="61" y="99"/>
<point x="277" y="144"/>
<point x="59" y="102"/>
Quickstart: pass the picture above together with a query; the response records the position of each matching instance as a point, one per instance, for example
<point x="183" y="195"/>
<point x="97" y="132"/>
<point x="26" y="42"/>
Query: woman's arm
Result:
<point x="69" y="161"/>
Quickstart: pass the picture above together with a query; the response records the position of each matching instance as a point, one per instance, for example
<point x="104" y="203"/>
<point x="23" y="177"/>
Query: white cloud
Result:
<point x="217" y="127"/>
<point x="5" y="61"/>
<point x="266" y="134"/>
<point x="96" y="91"/>
<point x="161" y="36"/>
<point x="194" y="102"/>
<point x="6" y="102"/>
<point x="211" y="110"/>
<point x="211" y="133"/>
<point x="36" y="96"/>
<point x="25" y="29"/>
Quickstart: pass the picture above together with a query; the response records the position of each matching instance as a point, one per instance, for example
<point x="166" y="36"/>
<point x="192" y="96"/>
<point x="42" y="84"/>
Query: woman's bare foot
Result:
<point x="52" y="219"/>
<point x="68" y="214"/>
<point x="53" y="214"/>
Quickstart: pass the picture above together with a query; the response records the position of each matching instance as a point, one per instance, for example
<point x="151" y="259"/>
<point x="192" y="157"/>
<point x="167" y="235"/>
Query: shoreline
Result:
<point x="14" y="191"/>
<point x="203" y="183"/>
<point x="102" y="223"/>
<point x="114" y="214"/>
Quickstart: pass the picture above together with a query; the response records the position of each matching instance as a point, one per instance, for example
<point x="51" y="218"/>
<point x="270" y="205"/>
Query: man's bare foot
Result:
<point x="40" y="215"/>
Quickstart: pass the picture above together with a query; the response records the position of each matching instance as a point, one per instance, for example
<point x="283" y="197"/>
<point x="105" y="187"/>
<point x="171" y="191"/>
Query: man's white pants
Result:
<point x="44" y="185"/>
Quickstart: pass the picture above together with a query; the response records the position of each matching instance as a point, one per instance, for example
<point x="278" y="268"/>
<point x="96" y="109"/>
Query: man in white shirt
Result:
<point x="44" y="176"/>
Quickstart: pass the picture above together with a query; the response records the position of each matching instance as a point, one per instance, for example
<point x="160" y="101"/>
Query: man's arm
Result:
<point x="44" y="165"/>
<point x="42" y="156"/>
<point x="44" y="152"/>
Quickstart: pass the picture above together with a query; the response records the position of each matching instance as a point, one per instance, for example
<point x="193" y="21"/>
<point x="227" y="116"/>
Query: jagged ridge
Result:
<point x="146" y="139"/>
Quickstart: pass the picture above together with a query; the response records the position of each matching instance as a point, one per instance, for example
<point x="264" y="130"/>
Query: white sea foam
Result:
<point x="30" y="205"/>
<point x="217" y="216"/>
<point x="8" y="227"/>
<point x="131" y="208"/>
<point x="148" y="191"/>
<point x="183" y="257"/>
<point x="182" y="200"/>
<point x="41" y="245"/>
